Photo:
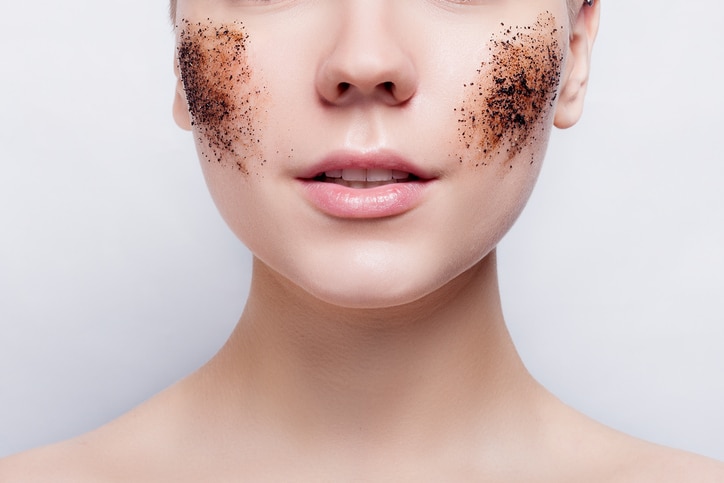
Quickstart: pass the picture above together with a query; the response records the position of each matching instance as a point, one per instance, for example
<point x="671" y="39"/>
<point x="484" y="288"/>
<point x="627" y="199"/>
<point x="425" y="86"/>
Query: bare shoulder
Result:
<point x="146" y="444"/>
<point x="118" y="452"/>
<point x="64" y="462"/>
<point x="632" y="460"/>
<point x="652" y="463"/>
<point x="107" y="454"/>
<point x="593" y="452"/>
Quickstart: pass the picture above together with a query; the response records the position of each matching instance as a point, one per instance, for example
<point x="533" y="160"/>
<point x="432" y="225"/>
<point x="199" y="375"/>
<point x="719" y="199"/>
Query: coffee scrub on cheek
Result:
<point x="225" y="102"/>
<point x="507" y="108"/>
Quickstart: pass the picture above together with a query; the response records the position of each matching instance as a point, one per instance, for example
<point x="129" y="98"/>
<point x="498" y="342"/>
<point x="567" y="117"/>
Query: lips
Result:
<point x="365" y="185"/>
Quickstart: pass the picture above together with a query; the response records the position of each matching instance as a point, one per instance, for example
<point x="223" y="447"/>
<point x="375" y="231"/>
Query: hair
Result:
<point x="573" y="7"/>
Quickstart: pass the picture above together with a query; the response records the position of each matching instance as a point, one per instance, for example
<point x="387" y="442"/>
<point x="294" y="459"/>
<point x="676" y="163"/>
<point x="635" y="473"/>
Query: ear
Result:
<point x="575" y="77"/>
<point x="181" y="113"/>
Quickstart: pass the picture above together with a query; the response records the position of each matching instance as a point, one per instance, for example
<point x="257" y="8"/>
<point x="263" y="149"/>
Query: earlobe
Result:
<point x="575" y="77"/>
<point x="180" y="106"/>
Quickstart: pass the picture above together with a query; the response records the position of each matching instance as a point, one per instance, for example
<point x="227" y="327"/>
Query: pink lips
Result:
<point x="377" y="201"/>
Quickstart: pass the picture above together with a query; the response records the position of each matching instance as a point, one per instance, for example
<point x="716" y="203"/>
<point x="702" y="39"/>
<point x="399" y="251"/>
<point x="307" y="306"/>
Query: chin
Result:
<point x="366" y="297"/>
<point x="393" y="286"/>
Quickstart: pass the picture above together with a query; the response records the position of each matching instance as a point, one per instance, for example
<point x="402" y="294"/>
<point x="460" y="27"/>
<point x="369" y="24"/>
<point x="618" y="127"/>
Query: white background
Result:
<point x="118" y="277"/>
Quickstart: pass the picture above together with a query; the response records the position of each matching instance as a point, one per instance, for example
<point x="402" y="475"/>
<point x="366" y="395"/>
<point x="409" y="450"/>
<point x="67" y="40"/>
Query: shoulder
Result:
<point x="61" y="463"/>
<point x="592" y="452"/>
<point x="657" y="464"/>
<point x="149" y="440"/>
<point x="98" y="457"/>
<point x="642" y="462"/>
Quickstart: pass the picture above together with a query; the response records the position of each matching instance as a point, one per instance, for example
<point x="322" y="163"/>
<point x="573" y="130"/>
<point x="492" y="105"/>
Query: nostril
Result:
<point x="388" y="86"/>
<point x="343" y="87"/>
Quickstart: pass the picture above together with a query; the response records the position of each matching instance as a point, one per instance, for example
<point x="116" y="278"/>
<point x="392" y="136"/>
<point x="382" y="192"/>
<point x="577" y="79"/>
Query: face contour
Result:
<point x="371" y="151"/>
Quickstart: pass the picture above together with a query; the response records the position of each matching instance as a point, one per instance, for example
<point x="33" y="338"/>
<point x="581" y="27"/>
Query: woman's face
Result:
<point x="370" y="151"/>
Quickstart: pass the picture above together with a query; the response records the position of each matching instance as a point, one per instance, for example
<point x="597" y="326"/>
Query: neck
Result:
<point x="314" y="367"/>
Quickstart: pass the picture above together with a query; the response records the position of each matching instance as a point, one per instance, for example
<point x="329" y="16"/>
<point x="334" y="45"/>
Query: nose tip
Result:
<point x="366" y="62"/>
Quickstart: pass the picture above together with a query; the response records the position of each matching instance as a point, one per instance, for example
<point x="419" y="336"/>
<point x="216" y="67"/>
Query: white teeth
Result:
<point x="379" y="175"/>
<point x="336" y="173"/>
<point x="373" y="175"/>
<point x="354" y="174"/>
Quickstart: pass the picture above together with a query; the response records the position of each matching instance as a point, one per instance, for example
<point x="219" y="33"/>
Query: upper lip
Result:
<point x="381" y="159"/>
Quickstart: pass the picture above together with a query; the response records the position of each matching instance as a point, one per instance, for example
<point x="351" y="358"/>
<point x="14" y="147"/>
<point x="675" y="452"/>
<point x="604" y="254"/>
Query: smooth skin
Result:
<point x="368" y="350"/>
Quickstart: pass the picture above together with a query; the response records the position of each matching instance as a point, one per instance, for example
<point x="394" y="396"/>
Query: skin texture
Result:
<point x="478" y="206"/>
<point x="370" y="349"/>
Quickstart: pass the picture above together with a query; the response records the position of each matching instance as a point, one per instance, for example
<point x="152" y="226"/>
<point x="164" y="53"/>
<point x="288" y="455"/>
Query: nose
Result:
<point x="367" y="59"/>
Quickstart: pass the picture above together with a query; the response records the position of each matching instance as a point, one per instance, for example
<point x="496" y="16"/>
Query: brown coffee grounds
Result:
<point x="224" y="101"/>
<point x="515" y="90"/>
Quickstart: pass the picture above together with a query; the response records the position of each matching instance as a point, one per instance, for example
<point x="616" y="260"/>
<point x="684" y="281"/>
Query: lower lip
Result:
<point x="378" y="202"/>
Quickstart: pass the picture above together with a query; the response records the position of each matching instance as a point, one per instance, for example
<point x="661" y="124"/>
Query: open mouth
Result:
<point x="364" y="178"/>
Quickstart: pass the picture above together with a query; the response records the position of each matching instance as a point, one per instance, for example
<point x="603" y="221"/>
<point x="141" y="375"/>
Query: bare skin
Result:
<point x="441" y="396"/>
<point x="314" y="384"/>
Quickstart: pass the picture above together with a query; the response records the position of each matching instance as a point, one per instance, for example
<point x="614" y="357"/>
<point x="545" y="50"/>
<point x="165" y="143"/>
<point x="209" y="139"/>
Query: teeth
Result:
<point x="379" y="175"/>
<point x="354" y="174"/>
<point x="371" y="175"/>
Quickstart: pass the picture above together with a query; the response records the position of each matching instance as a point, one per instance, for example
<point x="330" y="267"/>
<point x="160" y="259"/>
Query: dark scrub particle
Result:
<point x="223" y="99"/>
<point x="515" y="90"/>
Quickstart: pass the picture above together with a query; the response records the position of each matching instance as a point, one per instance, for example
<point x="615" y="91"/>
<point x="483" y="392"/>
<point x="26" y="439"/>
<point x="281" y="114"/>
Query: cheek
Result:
<point x="506" y="111"/>
<point x="225" y="101"/>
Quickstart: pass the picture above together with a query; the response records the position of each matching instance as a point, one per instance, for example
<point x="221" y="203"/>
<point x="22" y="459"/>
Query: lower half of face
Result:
<point x="369" y="151"/>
